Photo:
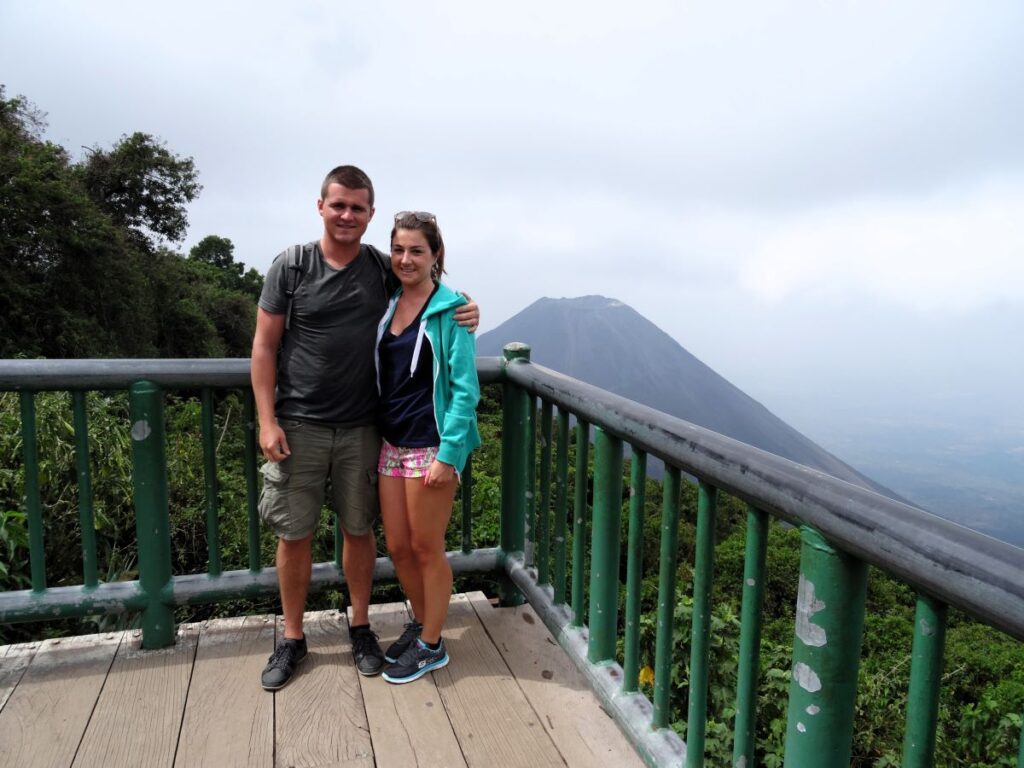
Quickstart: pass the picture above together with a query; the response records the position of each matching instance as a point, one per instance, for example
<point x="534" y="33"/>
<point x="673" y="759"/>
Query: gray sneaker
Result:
<point x="408" y="637"/>
<point x="282" y="663"/>
<point x="366" y="650"/>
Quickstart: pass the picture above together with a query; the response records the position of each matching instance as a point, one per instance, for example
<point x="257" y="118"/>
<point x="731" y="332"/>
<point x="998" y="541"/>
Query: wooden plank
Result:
<point x="229" y="718"/>
<point x="408" y="723"/>
<point x="493" y="721"/>
<point x="320" y="720"/>
<point x="14" y="660"/>
<point x="137" y="719"/>
<point x="46" y="715"/>
<point x="569" y="711"/>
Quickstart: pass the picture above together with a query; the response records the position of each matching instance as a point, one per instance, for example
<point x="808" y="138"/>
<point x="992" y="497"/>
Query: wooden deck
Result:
<point x="509" y="697"/>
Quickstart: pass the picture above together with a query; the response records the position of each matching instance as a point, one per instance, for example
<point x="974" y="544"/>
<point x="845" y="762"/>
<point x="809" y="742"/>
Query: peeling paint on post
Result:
<point x="807" y="604"/>
<point x="826" y="655"/>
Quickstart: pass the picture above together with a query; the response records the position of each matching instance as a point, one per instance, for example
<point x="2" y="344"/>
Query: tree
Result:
<point x="143" y="187"/>
<point x="217" y="251"/>
<point x="82" y="269"/>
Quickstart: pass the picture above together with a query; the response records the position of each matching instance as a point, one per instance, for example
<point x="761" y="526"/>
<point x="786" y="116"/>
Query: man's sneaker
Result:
<point x="416" y="662"/>
<point x="366" y="650"/>
<point x="282" y="663"/>
<point x="409" y="634"/>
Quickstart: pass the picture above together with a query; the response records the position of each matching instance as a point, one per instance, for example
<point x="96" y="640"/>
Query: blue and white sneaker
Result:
<point x="417" y="660"/>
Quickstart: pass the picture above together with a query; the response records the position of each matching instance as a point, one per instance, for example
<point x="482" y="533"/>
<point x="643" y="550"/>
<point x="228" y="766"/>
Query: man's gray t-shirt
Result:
<point x="325" y="370"/>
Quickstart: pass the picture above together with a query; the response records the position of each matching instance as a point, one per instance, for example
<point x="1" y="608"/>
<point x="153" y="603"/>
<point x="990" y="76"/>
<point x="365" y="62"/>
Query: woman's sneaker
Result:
<point x="401" y="645"/>
<point x="417" y="660"/>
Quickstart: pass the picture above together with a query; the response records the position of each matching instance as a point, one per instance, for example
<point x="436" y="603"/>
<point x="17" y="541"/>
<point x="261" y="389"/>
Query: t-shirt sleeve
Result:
<point x="273" y="298"/>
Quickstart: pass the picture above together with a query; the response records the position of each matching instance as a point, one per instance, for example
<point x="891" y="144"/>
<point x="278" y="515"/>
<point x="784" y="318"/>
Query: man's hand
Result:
<point x="273" y="443"/>
<point x="468" y="315"/>
<point x="439" y="474"/>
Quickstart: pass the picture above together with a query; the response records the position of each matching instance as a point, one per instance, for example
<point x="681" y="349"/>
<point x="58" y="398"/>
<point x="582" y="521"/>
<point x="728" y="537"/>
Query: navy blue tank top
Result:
<point x="407" y="401"/>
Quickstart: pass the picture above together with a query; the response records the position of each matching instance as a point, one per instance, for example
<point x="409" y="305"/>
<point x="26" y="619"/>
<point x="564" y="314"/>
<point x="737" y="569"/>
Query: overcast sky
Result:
<point x="824" y="201"/>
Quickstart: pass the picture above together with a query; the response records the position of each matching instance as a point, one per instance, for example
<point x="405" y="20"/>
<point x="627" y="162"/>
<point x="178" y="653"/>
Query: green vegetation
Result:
<point x="85" y="269"/>
<point x="85" y="273"/>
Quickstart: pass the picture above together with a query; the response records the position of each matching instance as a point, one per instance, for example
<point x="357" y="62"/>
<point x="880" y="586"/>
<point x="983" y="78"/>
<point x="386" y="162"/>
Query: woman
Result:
<point x="426" y="372"/>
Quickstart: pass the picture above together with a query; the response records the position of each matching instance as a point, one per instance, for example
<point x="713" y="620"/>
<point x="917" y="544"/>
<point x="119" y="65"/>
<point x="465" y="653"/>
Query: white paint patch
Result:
<point x="806" y="677"/>
<point x="141" y="430"/>
<point x="751" y="583"/>
<point x="741" y="763"/>
<point x="926" y="628"/>
<point x="806" y="606"/>
<point x="813" y="710"/>
<point x="801" y="727"/>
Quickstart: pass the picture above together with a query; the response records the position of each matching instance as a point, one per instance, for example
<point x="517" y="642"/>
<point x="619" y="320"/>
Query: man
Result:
<point x="314" y="382"/>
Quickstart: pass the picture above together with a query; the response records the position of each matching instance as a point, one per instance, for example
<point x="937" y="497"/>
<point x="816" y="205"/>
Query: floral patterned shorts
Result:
<point x="404" y="462"/>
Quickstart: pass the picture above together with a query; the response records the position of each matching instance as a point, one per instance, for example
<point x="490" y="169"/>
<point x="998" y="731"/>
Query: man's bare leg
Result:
<point x="294" y="571"/>
<point x="357" y="560"/>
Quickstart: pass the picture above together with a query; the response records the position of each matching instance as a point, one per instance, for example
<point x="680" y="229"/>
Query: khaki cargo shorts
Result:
<point x="343" y="460"/>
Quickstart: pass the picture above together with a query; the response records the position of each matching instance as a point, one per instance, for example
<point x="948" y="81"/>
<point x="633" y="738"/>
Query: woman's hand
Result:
<point x="439" y="474"/>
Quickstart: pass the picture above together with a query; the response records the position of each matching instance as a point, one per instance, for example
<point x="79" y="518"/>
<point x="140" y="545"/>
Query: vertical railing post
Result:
<point x="543" y="551"/>
<point x="152" y="520"/>
<point x="33" y="505"/>
<point x="251" y="492"/>
<point x="561" y="507"/>
<point x="604" y="551"/>
<point x="700" y="631"/>
<point x="666" y="597"/>
<point x="826" y="655"/>
<point x="634" y="571"/>
<point x="1020" y="751"/>
<point x="925" y="682"/>
<point x="212" y="486"/>
<point x="467" y="506"/>
<point x="579" y="520"/>
<point x="86" y="519"/>
<point x="750" y="637"/>
<point x="531" y="479"/>
<point x="514" y="452"/>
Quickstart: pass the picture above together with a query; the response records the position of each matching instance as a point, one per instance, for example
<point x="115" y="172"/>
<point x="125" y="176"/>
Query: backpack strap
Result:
<point x="297" y="266"/>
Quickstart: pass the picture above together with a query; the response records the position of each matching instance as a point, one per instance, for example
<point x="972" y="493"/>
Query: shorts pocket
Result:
<point x="273" y="506"/>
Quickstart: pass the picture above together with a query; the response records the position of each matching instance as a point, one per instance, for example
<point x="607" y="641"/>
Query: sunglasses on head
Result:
<point x="424" y="216"/>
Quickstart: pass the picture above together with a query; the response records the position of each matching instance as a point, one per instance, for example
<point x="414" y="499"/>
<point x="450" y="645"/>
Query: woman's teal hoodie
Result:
<point x="456" y="386"/>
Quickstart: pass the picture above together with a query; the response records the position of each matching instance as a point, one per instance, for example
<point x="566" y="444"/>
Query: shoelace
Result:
<point x="281" y="658"/>
<point x="363" y="642"/>
<point x="411" y="632"/>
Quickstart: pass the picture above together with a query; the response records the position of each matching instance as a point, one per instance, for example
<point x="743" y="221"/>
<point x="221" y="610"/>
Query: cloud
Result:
<point x="954" y="251"/>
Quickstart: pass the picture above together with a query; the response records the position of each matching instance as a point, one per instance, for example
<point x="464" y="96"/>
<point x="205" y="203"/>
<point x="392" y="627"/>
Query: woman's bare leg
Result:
<point x="394" y="513"/>
<point x="429" y="510"/>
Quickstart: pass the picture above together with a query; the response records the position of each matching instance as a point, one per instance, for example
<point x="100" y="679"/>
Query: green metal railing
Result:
<point x="843" y="530"/>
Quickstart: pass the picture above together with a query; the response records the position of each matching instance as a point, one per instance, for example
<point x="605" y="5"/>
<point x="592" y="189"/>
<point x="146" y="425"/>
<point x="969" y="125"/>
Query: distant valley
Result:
<point x="610" y="345"/>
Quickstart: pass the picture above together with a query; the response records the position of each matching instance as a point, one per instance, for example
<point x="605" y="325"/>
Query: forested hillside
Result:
<point x="86" y="261"/>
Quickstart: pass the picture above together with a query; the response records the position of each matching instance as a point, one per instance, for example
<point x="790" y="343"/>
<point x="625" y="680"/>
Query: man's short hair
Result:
<point x="350" y="177"/>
